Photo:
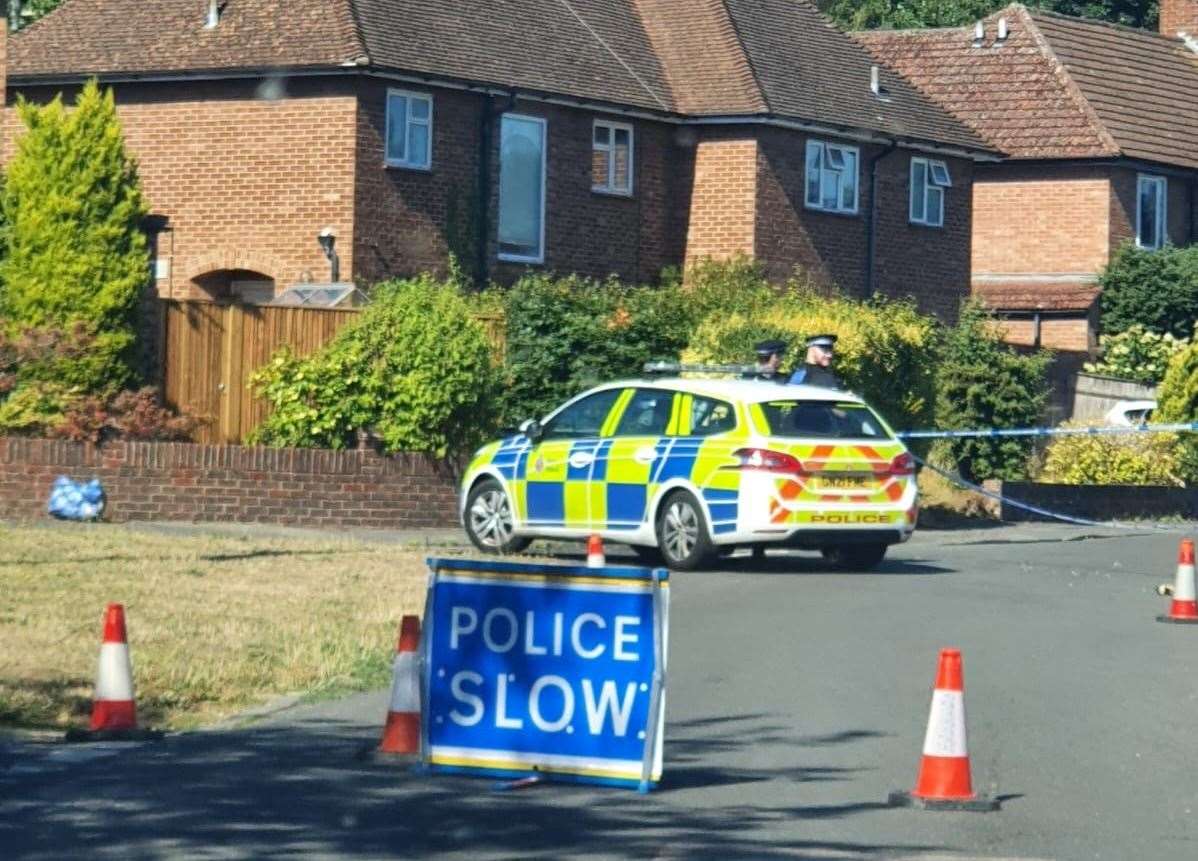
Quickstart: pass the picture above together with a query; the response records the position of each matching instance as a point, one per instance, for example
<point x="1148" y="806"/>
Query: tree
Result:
<point x="72" y="244"/>
<point x="984" y="383"/>
<point x="911" y="14"/>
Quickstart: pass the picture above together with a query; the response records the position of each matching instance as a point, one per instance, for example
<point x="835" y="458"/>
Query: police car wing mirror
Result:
<point x="532" y="429"/>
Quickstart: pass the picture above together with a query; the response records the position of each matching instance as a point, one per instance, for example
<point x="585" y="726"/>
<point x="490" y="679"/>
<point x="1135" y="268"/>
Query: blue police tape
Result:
<point x="1179" y="427"/>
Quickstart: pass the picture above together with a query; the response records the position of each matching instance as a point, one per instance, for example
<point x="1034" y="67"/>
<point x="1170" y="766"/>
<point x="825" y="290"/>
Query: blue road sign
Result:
<point x="549" y="669"/>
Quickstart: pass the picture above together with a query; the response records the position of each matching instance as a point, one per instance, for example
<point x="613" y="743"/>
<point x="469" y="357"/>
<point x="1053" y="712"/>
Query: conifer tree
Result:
<point x="73" y="248"/>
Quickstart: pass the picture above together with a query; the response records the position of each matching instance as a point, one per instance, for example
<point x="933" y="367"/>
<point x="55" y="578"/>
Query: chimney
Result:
<point x="1003" y="30"/>
<point x="979" y="34"/>
<point x="1179" y="16"/>
<point x="213" y="17"/>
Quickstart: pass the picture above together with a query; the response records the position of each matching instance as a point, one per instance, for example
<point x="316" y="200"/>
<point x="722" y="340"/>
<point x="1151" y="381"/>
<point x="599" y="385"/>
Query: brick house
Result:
<point x="1098" y="126"/>
<point x="606" y="136"/>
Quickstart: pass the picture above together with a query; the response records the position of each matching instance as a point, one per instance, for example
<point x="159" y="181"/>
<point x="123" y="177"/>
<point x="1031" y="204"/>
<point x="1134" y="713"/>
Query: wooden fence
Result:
<point x="209" y="351"/>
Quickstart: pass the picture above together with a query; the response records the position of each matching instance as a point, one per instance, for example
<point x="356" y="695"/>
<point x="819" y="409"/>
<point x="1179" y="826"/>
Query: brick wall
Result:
<point x="722" y="220"/>
<point x="1073" y="333"/>
<point x="247" y="182"/>
<point x="928" y="263"/>
<point x="1030" y="219"/>
<point x="1179" y="207"/>
<point x="931" y="264"/>
<point x="1179" y="16"/>
<point x="178" y="481"/>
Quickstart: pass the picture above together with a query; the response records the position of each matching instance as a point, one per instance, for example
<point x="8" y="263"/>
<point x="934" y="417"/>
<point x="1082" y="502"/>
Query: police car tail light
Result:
<point x="902" y="464"/>
<point x="764" y="460"/>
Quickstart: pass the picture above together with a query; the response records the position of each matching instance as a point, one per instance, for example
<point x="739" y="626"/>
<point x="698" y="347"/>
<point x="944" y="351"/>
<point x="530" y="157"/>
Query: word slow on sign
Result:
<point x="550" y="669"/>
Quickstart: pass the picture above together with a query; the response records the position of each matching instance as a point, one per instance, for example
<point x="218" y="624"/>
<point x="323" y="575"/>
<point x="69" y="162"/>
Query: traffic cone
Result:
<point x="114" y="713"/>
<point x="401" y="734"/>
<point x="944" y="781"/>
<point x="595" y="557"/>
<point x="1184" y="609"/>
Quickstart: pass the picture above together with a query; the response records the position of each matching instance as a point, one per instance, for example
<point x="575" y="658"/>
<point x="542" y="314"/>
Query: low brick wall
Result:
<point x="182" y="481"/>
<point x="1093" y="502"/>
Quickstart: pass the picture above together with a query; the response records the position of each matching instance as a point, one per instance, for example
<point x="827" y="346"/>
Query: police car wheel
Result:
<point x="488" y="519"/>
<point x="854" y="557"/>
<point x="682" y="533"/>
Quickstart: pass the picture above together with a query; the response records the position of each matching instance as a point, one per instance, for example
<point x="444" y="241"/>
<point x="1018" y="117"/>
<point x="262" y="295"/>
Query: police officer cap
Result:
<point x="828" y="342"/>
<point x="767" y="348"/>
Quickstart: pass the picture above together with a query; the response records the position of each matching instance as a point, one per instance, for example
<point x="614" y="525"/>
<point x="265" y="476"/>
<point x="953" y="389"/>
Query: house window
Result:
<point x="522" y="189"/>
<point x="929" y="179"/>
<point x="1151" y="192"/>
<point x="409" y="129"/>
<point x="611" y="158"/>
<point x="831" y="177"/>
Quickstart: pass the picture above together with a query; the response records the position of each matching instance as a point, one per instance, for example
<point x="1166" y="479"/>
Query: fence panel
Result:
<point x="211" y="349"/>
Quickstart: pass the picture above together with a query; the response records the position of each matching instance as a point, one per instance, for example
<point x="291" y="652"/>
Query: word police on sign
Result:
<point x="550" y="669"/>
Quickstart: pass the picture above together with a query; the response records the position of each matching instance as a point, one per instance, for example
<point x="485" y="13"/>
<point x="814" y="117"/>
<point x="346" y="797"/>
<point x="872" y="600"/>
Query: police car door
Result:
<point x="636" y="454"/>
<point x="558" y="469"/>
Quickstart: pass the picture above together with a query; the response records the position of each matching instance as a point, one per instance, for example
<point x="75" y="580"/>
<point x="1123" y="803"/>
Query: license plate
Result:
<point x="842" y="482"/>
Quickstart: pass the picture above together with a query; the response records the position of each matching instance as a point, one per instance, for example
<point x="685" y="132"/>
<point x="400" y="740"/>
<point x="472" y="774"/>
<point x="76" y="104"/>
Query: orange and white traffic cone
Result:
<point x="595" y="557"/>
<point x="401" y="734"/>
<point x="114" y="712"/>
<point x="1184" y="609"/>
<point x="944" y="780"/>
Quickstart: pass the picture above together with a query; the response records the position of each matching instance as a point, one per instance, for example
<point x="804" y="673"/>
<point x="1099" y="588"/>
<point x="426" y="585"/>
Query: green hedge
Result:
<point x="415" y="368"/>
<point x="1154" y="289"/>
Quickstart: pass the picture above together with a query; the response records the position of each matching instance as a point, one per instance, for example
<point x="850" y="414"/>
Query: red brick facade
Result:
<point x="177" y="481"/>
<point x="1179" y="16"/>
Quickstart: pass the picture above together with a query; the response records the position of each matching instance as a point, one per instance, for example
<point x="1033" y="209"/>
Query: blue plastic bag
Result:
<point x="72" y="500"/>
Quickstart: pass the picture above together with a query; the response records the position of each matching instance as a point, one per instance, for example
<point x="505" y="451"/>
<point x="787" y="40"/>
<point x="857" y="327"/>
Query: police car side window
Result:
<point x="647" y="414"/>
<point x="582" y="418"/>
<point x="711" y="417"/>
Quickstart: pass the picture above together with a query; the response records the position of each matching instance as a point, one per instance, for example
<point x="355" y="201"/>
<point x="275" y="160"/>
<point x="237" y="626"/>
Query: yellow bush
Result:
<point x="1137" y="458"/>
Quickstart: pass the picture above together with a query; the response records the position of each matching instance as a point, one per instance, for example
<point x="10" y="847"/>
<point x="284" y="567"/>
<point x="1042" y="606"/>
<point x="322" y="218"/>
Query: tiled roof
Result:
<point x="135" y="36"/>
<point x="1057" y="87"/>
<point x="1038" y="295"/>
<point x="1142" y="86"/>
<point x="591" y="49"/>
<point x="692" y="57"/>
<point x="807" y="68"/>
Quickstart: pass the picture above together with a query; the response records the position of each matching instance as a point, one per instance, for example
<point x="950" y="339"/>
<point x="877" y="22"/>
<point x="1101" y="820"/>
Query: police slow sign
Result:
<point x="549" y="669"/>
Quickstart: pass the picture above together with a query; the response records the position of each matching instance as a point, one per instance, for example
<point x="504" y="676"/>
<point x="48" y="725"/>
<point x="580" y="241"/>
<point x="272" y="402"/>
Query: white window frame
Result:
<point x="609" y="148"/>
<point x="930" y="167"/>
<point x="1143" y="180"/>
<point x="408" y="162"/>
<point x="830" y="153"/>
<point x="539" y="257"/>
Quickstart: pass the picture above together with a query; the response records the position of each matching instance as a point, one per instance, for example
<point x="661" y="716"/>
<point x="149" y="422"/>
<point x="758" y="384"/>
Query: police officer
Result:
<point x="769" y="360"/>
<point x="816" y="371"/>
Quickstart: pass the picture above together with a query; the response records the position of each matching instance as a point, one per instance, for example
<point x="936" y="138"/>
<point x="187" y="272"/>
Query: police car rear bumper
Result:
<point x="813" y="539"/>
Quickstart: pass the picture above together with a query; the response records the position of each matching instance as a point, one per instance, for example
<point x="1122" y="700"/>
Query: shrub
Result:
<point x="1154" y="289"/>
<point x="885" y="351"/>
<point x="983" y="383"/>
<point x="74" y="251"/>
<point x="1113" y="459"/>
<point x="565" y="335"/>
<point x="415" y="368"/>
<point x="1136" y="354"/>
<point x="1177" y="401"/>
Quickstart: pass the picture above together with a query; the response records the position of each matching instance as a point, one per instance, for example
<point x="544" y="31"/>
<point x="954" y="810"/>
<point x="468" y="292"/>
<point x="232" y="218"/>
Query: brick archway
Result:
<point x="228" y="260"/>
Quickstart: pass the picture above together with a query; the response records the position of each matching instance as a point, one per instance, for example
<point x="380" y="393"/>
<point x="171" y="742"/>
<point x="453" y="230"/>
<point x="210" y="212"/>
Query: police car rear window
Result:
<point x="825" y="419"/>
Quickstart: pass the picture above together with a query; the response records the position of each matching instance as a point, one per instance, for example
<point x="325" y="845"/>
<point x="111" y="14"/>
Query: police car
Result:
<point x="682" y="469"/>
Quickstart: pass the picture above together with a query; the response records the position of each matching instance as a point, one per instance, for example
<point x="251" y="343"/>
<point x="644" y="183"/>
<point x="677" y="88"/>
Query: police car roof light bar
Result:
<point x="659" y="368"/>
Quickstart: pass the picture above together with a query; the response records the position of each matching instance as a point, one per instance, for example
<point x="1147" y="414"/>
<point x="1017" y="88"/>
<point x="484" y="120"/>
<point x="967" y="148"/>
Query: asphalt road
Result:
<point x="797" y="701"/>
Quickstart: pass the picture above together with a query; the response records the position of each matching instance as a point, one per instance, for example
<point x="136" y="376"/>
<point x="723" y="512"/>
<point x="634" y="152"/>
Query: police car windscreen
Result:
<point x="825" y="419"/>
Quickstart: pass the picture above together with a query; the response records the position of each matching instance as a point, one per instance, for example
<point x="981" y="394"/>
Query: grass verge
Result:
<point x="215" y="623"/>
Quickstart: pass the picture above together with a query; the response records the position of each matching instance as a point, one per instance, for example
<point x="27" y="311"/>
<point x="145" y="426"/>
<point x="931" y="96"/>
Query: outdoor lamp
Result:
<point x="327" y="238"/>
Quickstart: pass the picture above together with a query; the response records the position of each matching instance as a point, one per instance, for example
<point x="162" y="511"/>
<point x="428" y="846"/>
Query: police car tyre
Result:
<point x="682" y="535"/>
<point x="488" y="519"/>
<point x="854" y="557"/>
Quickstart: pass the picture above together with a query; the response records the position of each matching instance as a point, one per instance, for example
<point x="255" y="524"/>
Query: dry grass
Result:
<point x="216" y="623"/>
<point x="943" y="504"/>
